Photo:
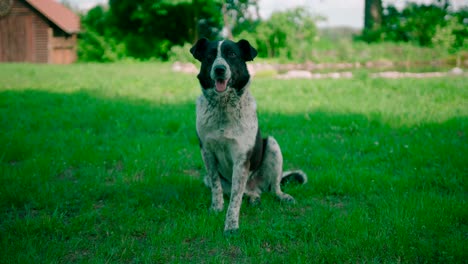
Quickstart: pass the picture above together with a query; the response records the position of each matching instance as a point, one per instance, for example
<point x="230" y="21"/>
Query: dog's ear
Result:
<point x="248" y="52"/>
<point x="198" y="50"/>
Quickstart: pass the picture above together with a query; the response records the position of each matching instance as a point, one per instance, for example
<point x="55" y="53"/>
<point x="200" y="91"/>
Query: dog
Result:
<point x="238" y="160"/>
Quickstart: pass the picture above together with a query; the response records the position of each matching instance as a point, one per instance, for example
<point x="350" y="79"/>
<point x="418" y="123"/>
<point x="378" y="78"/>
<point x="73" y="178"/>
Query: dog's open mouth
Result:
<point x="221" y="85"/>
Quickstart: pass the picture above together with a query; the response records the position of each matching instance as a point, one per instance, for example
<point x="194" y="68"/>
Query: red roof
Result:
<point x="58" y="14"/>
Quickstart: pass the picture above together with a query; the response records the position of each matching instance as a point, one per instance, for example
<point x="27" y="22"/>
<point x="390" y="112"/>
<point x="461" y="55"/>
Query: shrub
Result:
<point x="94" y="47"/>
<point x="287" y="35"/>
<point x="181" y="53"/>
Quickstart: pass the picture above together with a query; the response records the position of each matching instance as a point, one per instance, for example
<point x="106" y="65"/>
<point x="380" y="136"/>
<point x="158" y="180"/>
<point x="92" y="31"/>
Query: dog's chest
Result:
<point x="228" y="131"/>
<point x="226" y="124"/>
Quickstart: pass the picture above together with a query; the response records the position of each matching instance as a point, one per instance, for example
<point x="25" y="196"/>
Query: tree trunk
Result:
<point x="372" y="14"/>
<point x="194" y="31"/>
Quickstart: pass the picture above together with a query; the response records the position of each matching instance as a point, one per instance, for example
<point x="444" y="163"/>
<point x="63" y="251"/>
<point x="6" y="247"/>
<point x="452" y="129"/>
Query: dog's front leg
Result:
<point x="239" y="180"/>
<point x="217" y="201"/>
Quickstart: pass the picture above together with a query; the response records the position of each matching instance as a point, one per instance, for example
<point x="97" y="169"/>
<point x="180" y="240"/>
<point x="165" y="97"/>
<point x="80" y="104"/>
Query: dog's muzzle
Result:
<point x="221" y="74"/>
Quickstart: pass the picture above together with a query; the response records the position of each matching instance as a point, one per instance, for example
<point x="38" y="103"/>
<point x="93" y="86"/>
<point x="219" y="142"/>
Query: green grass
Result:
<point x="100" y="163"/>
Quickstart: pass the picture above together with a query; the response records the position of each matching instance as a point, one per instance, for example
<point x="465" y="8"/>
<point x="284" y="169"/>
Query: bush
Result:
<point x="181" y="53"/>
<point x="287" y="35"/>
<point x="445" y="37"/>
<point x="94" y="47"/>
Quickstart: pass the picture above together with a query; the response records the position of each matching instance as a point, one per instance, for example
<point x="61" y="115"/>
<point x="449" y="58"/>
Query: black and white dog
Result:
<point x="238" y="161"/>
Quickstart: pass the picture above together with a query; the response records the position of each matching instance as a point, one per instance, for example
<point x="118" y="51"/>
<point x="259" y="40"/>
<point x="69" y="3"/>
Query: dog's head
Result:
<point x="223" y="64"/>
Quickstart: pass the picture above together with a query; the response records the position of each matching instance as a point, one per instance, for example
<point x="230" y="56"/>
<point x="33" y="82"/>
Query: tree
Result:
<point x="239" y="15"/>
<point x="373" y="13"/>
<point x="146" y="29"/>
<point x="445" y="38"/>
<point x="149" y="28"/>
<point x="287" y="34"/>
<point x="416" y="23"/>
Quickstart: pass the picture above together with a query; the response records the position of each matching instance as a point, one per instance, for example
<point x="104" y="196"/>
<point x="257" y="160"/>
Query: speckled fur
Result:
<point x="227" y="127"/>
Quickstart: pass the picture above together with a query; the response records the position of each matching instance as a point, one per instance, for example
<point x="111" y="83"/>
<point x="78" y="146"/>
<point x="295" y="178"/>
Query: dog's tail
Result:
<point x="294" y="176"/>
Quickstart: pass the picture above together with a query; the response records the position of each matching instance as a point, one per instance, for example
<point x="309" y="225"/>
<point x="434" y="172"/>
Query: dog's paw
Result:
<point x="216" y="208"/>
<point x="231" y="233"/>
<point x="286" y="198"/>
<point x="254" y="201"/>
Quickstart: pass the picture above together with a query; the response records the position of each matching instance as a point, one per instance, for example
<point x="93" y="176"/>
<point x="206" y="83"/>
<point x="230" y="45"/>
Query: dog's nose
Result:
<point x="220" y="70"/>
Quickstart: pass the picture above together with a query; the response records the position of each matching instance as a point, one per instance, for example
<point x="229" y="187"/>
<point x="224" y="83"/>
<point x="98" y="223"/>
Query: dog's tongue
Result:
<point x="221" y="85"/>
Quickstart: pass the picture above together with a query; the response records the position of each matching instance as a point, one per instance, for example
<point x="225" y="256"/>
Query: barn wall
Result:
<point x="16" y="34"/>
<point x="27" y="36"/>
<point x="62" y="47"/>
<point x="41" y="40"/>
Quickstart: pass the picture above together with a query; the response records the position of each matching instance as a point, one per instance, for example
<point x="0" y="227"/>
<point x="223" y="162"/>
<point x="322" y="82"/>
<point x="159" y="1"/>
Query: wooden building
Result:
<point x="37" y="31"/>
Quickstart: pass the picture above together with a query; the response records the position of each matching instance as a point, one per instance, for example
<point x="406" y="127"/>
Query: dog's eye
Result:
<point x="232" y="54"/>
<point x="211" y="54"/>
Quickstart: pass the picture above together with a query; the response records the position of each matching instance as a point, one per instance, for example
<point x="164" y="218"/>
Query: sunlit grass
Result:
<point x="100" y="163"/>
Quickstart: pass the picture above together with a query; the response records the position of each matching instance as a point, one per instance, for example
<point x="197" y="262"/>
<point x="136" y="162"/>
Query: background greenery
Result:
<point x="100" y="163"/>
<point x="144" y="30"/>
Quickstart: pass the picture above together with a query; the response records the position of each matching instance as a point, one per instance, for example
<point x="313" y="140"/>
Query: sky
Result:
<point x="348" y="13"/>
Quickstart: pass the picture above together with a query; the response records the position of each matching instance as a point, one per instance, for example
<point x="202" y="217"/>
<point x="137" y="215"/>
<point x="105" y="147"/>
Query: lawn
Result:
<point x="100" y="163"/>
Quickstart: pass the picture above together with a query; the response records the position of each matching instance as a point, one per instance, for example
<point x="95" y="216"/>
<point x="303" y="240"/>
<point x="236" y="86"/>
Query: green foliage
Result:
<point x="95" y="47"/>
<point x="182" y="54"/>
<point x="95" y="42"/>
<point x="143" y="29"/>
<point x="289" y="35"/>
<point x="146" y="29"/>
<point x="445" y="38"/>
<point x="102" y="165"/>
<point x="241" y="15"/>
<point x="149" y="29"/>
<point x="422" y="24"/>
<point x="96" y="19"/>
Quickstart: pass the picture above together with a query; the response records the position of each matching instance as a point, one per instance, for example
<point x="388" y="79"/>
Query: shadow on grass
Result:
<point x="65" y="137"/>
<point x="94" y="145"/>
<point x="115" y="160"/>
<point x="69" y="137"/>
